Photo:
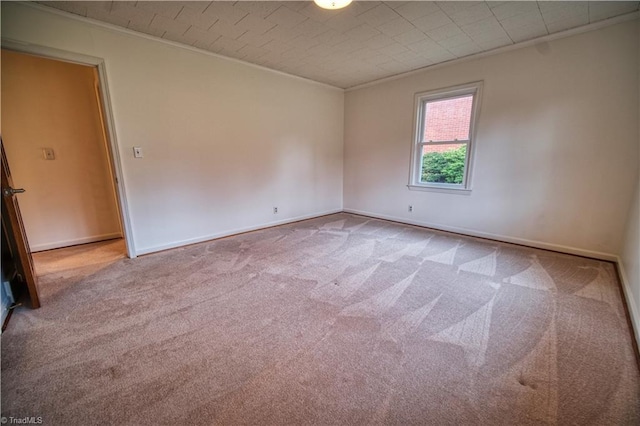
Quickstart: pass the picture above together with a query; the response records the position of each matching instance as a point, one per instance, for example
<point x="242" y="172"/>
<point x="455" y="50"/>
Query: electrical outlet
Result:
<point x="137" y="152"/>
<point x="410" y="208"/>
<point x="275" y="210"/>
<point x="48" y="154"/>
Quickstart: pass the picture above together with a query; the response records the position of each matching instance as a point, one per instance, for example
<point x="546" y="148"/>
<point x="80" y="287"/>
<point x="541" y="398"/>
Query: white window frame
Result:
<point x="421" y="99"/>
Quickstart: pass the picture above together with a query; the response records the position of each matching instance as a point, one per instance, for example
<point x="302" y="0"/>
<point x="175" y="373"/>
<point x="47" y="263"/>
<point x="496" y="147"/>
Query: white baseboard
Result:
<point x="74" y="242"/>
<point x="458" y="230"/>
<point x="496" y="237"/>
<point x="634" y="312"/>
<point x="175" y="244"/>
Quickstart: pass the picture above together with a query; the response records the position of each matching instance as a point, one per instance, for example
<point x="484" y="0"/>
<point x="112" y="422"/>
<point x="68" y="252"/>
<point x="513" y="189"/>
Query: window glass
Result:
<point x="443" y="163"/>
<point x="448" y="119"/>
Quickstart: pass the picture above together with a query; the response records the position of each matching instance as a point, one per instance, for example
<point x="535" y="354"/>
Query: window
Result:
<point x="443" y="144"/>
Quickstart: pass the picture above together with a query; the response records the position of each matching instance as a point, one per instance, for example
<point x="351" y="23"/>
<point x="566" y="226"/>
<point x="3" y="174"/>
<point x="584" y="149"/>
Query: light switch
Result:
<point x="48" y="154"/>
<point x="137" y="152"/>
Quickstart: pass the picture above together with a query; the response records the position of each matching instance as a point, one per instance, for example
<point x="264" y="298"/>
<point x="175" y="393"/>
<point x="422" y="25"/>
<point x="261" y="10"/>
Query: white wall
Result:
<point x="223" y="142"/>
<point x="69" y="200"/>
<point x="556" y="149"/>
<point x="630" y="262"/>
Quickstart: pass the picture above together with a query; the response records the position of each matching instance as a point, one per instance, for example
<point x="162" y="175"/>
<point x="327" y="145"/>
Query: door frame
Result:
<point x="115" y="162"/>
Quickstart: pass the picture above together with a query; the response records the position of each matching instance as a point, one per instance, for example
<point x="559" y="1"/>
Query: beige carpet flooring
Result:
<point x="336" y="320"/>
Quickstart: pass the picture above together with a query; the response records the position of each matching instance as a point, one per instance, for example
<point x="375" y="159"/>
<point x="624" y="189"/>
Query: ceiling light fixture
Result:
<point x="332" y="4"/>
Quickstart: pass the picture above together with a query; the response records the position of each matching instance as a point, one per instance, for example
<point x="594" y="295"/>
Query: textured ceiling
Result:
<point x="364" y="42"/>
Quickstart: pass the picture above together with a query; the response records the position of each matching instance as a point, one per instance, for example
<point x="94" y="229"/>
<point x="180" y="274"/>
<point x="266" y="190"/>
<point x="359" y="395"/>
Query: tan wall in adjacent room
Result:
<point x="53" y="104"/>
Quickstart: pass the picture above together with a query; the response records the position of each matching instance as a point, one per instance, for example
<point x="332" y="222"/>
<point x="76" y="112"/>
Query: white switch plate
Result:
<point x="137" y="152"/>
<point x="48" y="154"/>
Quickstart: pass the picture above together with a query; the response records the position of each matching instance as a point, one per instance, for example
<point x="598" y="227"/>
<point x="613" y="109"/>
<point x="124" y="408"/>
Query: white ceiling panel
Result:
<point x="188" y="15"/>
<point x="470" y="12"/>
<point x="366" y="41"/>
<point x="599" y="10"/>
<point x="413" y="10"/>
<point x="168" y="9"/>
<point x="397" y="26"/>
<point x="286" y="17"/>
<point x="509" y="9"/>
<point x="432" y="21"/>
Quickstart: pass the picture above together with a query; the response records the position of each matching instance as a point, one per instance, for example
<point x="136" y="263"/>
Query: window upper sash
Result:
<point x="446" y="118"/>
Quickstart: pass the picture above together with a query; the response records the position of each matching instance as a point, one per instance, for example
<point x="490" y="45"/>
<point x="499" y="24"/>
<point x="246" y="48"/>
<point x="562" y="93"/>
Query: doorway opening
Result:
<point x="60" y="147"/>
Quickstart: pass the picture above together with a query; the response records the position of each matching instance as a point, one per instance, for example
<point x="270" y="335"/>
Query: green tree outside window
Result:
<point x="444" y="167"/>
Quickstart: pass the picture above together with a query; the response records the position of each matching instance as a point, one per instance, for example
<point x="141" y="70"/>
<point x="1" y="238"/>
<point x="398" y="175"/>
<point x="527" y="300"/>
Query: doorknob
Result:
<point x="7" y="192"/>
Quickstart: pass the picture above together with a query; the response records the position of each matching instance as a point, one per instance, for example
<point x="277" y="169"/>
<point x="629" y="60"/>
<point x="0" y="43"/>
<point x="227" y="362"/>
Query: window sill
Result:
<point x="443" y="189"/>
